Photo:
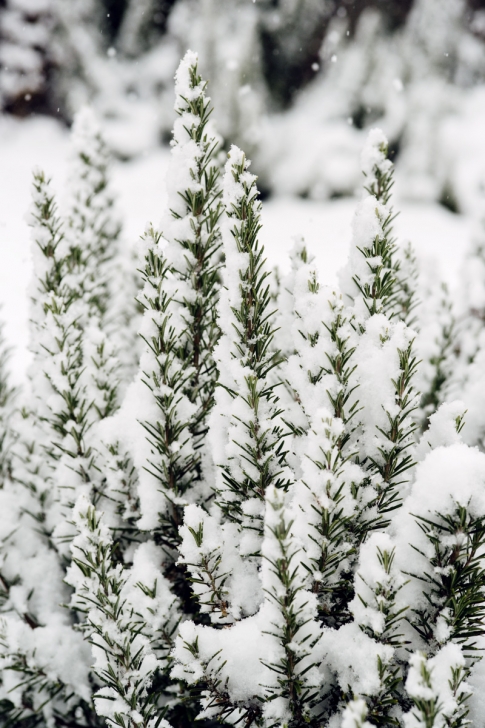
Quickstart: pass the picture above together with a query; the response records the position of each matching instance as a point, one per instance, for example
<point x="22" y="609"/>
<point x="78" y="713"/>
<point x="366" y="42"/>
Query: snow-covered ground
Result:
<point x="440" y="237"/>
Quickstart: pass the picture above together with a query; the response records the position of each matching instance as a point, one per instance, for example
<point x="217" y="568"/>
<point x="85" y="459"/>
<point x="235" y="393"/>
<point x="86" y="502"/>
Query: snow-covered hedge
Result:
<point x="267" y="509"/>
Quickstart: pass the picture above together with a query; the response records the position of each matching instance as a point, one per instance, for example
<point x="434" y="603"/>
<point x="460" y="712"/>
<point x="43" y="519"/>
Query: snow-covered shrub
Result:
<point x="270" y="524"/>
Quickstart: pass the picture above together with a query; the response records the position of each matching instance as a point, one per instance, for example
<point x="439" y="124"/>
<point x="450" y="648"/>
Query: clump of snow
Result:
<point x="443" y="428"/>
<point x="353" y="656"/>
<point x="447" y="477"/>
<point x="236" y="655"/>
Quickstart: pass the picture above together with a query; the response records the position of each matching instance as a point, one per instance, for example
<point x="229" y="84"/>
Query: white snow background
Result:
<point x="439" y="236"/>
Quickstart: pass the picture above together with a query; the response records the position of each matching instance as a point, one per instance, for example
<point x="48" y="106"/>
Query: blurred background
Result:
<point x="295" y="83"/>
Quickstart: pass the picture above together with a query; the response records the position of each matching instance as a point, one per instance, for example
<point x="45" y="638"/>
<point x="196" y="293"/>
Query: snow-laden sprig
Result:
<point x="302" y="333"/>
<point x="223" y="549"/>
<point x="339" y="363"/>
<point x="384" y="363"/>
<point x="181" y="277"/>
<point x="93" y="228"/>
<point x="438" y="689"/>
<point x="129" y="618"/>
<point x="245" y="425"/>
<point x="329" y="500"/>
<point x="107" y="309"/>
<point x="56" y="346"/>
<point x="400" y="294"/>
<point x="356" y="661"/>
<point x="384" y="277"/>
<point x="75" y="376"/>
<point x="121" y="503"/>
<point x="285" y="296"/>
<point x="385" y="373"/>
<point x="225" y="585"/>
<point x="369" y="279"/>
<point x="377" y="168"/>
<point x="290" y="613"/>
<point x="8" y="397"/>
<point x="330" y="491"/>
<point x="440" y="538"/>
<point x="49" y="248"/>
<point x="406" y="299"/>
<point x="203" y="550"/>
<point x="59" y="382"/>
<point x="378" y="583"/>
<point x="173" y="460"/>
<point x="191" y="227"/>
<point x="314" y="373"/>
<point x="459" y="348"/>
<point x="328" y="495"/>
<point x="94" y="234"/>
<point x="103" y="367"/>
<point x="378" y="610"/>
<point x="436" y="345"/>
<point x="469" y="309"/>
